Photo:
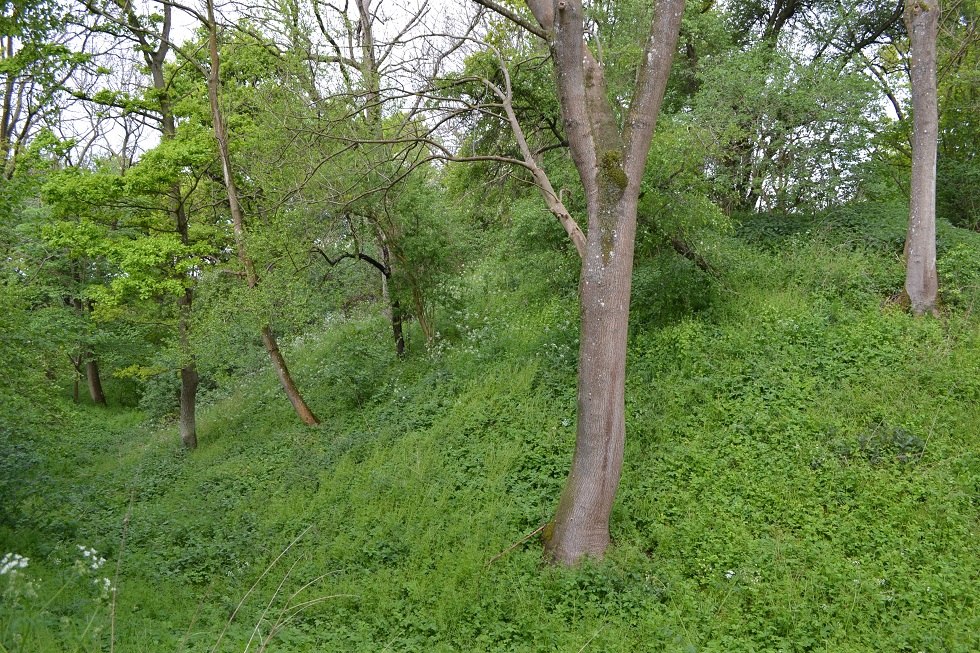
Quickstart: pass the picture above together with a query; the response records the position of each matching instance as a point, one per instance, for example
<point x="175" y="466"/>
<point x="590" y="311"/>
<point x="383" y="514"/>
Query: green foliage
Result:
<point x="783" y="133"/>
<point x="959" y="274"/>
<point x="958" y="172"/>
<point x="801" y="460"/>
<point x="798" y="476"/>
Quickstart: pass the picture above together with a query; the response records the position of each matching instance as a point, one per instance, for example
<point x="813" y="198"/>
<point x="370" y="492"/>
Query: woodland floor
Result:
<point x="802" y="474"/>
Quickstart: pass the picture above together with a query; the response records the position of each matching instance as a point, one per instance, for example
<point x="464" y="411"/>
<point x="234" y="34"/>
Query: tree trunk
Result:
<point x="285" y="378"/>
<point x="394" y="305"/>
<point x="188" y="367"/>
<point x="396" y="327"/>
<point x="581" y="524"/>
<point x="188" y="373"/>
<point x="94" y="381"/>
<point x="610" y="162"/>
<point x="921" y="278"/>
<point x="238" y="223"/>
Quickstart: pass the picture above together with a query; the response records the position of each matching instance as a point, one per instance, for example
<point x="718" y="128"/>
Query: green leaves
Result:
<point x="783" y="134"/>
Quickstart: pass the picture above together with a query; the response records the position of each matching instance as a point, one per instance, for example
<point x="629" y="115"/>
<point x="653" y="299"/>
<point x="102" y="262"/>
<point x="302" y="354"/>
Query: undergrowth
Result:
<point x="802" y="473"/>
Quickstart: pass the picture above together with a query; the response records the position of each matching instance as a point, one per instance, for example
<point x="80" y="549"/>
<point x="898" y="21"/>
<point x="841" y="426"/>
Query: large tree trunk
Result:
<point x="610" y="162"/>
<point x="581" y="524"/>
<point x="921" y="278"/>
<point x="94" y="380"/>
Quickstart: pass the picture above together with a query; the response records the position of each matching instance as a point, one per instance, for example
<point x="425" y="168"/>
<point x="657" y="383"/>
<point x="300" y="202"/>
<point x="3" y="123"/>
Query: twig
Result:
<point x="516" y="544"/>
<point x="268" y="607"/>
<point x="594" y="635"/>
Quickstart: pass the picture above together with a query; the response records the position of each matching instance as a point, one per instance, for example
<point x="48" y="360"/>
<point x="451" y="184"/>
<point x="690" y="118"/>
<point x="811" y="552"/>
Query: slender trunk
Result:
<point x="188" y="373"/>
<point x="188" y="367"/>
<point x="282" y="371"/>
<point x="94" y="381"/>
<point x="238" y="225"/>
<point x="6" y="119"/>
<point x="396" y="328"/>
<point x="394" y="306"/>
<point x="295" y="397"/>
<point x="921" y="279"/>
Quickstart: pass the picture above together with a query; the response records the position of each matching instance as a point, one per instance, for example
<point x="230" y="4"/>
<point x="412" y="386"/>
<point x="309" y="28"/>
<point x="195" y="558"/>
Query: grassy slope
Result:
<point x="802" y="474"/>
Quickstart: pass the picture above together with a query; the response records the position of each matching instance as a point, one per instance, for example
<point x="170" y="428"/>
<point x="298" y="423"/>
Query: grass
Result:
<point x="802" y="473"/>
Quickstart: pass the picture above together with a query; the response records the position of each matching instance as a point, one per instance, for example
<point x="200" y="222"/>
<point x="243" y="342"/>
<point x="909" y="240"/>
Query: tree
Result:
<point x="39" y="53"/>
<point x="152" y="38"/>
<point x="609" y="151"/>
<point x="921" y="279"/>
<point x="365" y="63"/>
<point x="238" y="218"/>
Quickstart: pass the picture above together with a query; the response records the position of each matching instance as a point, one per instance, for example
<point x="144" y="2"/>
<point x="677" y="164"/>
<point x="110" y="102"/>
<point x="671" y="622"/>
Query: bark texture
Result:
<point x="610" y="160"/>
<point x="921" y="278"/>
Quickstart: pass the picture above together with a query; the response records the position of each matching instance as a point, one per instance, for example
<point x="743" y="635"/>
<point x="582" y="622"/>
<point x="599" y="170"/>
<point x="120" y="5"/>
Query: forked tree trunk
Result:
<point x="610" y="162"/>
<point x="238" y="223"/>
<point x="94" y="381"/>
<point x="921" y="278"/>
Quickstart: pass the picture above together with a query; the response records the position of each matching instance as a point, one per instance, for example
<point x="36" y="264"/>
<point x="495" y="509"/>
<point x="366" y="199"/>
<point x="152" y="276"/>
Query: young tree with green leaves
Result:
<point x="152" y="36"/>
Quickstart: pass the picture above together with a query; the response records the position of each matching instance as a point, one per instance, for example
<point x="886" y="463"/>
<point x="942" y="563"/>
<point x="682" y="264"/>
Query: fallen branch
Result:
<point x="516" y="544"/>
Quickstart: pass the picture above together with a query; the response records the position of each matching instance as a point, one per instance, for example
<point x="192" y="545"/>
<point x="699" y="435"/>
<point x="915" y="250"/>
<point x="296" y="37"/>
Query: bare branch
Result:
<point x="515" y="18"/>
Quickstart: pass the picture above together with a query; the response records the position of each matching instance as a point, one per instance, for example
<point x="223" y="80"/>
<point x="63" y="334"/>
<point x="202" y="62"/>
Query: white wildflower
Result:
<point x="104" y="585"/>
<point x="11" y="563"/>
